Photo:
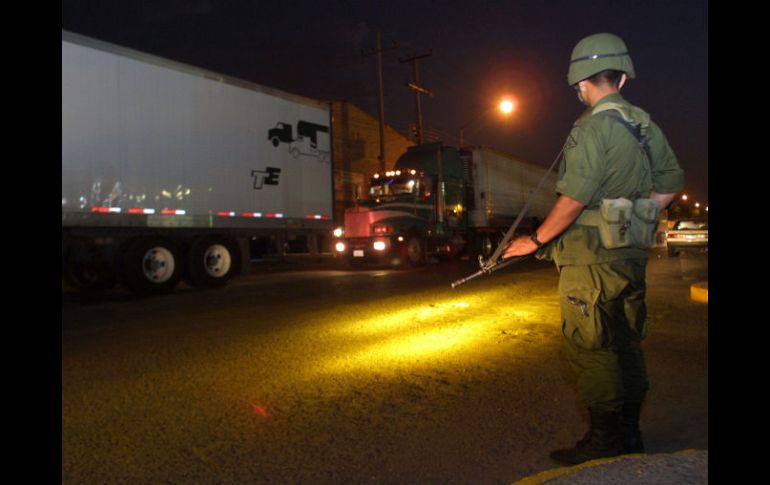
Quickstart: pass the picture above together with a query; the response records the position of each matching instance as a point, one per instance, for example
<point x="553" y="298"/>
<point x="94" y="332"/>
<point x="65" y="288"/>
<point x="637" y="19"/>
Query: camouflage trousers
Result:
<point x="604" y="321"/>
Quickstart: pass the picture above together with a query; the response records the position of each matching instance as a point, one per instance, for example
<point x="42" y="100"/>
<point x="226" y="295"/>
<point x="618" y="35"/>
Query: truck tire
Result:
<point x="487" y="245"/>
<point x="85" y="269"/>
<point x="211" y="262"/>
<point x="414" y="252"/>
<point x="87" y="277"/>
<point x="672" y="253"/>
<point x="151" y="266"/>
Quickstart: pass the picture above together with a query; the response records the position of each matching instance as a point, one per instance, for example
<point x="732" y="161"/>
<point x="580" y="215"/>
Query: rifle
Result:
<point x="494" y="262"/>
<point x="486" y="270"/>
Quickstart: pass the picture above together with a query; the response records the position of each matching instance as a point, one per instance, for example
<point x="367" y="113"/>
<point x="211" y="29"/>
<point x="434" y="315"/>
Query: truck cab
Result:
<point x="414" y="211"/>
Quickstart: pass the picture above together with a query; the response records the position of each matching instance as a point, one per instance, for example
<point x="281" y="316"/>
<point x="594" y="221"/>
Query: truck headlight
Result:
<point x="379" y="245"/>
<point x="338" y="232"/>
<point x="340" y="247"/>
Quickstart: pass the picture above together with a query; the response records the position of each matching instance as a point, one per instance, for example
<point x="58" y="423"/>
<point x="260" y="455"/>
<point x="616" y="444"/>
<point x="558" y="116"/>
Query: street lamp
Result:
<point x="506" y="107"/>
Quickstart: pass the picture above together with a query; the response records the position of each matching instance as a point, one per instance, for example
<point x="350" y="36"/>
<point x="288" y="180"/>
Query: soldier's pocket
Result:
<point x="581" y="319"/>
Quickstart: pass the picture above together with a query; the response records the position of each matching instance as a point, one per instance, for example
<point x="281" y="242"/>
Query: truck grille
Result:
<point x="357" y="222"/>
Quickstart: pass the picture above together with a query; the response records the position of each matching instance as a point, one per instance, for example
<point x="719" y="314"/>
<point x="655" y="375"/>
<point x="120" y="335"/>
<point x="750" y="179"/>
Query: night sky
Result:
<point x="481" y="51"/>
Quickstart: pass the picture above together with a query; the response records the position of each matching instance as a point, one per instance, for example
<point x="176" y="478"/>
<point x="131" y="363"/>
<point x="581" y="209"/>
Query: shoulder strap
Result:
<point x="635" y="130"/>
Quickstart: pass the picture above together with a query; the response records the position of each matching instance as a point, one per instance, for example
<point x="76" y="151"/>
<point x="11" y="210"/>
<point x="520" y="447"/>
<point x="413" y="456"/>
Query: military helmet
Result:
<point x="597" y="53"/>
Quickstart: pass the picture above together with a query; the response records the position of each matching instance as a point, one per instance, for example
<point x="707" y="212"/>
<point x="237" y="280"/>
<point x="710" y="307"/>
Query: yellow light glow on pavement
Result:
<point x="410" y="348"/>
<point x="398" y="320"/>
<point x="426" y="334"/>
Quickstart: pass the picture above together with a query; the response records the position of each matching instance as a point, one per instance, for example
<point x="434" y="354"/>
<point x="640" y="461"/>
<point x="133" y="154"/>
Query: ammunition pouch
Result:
<point x="622" y="223"/>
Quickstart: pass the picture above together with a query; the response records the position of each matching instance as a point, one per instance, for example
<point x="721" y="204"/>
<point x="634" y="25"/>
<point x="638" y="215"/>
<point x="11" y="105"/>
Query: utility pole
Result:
<point x="379" y="50"/>
<point x="415" y="86"/>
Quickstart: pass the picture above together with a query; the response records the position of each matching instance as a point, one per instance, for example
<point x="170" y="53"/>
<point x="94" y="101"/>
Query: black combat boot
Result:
<point x="604" y="439"/>
<point x="632" y="435"/>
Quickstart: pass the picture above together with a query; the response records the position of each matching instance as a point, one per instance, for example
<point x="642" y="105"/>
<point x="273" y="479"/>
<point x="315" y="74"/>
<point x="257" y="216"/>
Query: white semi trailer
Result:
<point x="170" y="171"/>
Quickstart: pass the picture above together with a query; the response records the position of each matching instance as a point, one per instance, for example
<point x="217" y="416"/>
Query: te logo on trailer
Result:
<point x="269" y="176"/>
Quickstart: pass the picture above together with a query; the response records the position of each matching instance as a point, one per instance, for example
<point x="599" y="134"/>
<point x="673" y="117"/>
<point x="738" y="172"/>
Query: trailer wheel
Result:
<point x="151" y="266"/>
<point x="275" y="141"/>
<point x="211" y="262"/>
<point x="86" y="277"/>
<point x="415" y="253"/>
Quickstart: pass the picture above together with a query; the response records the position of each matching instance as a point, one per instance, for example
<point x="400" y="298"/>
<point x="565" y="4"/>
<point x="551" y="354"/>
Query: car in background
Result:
<point x="688" y="234"/>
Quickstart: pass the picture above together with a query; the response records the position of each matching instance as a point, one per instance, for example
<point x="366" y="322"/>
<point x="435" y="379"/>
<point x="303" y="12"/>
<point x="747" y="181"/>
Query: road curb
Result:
<point x="700" y="292"/>
<point x="545" y="476"/>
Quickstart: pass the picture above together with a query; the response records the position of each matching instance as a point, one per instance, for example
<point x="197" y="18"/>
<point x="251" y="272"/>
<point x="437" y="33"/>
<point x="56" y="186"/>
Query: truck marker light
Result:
<point x="400" y="238"/>
<point x="252" y="214"/>
<point x="381" y="229"/>
<point x="340" y="247"/>
<point x="338" y="232"/>
<point x="173" y="212"/>
<point x="100" y="209"/>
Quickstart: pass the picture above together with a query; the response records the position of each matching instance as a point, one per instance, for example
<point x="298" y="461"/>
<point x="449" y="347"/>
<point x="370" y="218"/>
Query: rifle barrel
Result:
<point x="482" y="271"/>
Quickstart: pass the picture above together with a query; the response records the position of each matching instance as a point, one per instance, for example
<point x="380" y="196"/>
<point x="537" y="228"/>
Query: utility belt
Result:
<point x="623" y="223"/>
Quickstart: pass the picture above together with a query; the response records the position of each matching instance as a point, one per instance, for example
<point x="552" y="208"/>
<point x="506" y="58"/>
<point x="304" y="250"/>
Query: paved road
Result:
<point x="335" y="376"/>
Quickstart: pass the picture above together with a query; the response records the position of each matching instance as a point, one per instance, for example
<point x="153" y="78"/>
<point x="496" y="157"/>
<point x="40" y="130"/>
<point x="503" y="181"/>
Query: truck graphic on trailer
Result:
<point x="312" y="140"/>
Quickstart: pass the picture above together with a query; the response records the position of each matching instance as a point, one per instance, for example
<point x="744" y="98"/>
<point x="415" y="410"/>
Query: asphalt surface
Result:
<point x="322" y="375"/>
<point x="686" y="467"/>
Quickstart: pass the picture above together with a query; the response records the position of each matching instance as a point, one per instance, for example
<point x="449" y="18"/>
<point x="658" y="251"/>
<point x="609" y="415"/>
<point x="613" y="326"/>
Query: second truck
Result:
<point x="441" y="202"/>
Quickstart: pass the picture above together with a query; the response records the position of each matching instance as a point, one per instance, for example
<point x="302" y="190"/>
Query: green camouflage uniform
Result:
<point x="602" y="291"/>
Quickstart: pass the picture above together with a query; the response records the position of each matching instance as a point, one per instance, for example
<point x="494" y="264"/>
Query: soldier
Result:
<point x="616" y="173"/>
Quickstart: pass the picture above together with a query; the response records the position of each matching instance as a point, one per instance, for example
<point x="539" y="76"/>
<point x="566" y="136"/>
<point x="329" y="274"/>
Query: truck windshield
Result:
<point x="393" y="186"/>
